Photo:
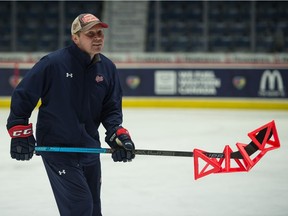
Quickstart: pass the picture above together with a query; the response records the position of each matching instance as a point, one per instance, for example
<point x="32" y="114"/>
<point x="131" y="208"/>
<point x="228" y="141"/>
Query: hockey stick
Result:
<point x="250" y="149"/>
<point x="225" y="162"/>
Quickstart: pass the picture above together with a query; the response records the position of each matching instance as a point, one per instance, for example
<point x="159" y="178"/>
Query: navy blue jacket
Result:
<point x="77" y="94"/>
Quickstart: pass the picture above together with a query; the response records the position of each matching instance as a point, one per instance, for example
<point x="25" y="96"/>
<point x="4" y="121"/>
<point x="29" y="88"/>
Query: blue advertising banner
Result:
<point x="254" y="83"/>
<point x="9" y="79"/>
<point x="185" y="82"/>
<point x="7" y="82"/>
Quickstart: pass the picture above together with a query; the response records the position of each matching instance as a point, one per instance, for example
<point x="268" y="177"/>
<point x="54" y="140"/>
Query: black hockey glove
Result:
<point x="122" y="146"/>
<point x="22" y="142"/>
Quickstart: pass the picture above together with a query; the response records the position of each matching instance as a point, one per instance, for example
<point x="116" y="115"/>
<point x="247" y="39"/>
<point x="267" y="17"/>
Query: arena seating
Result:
<point x="185" y="26"/>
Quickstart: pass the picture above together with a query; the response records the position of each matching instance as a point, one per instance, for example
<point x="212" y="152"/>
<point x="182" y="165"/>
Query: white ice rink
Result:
<point x="165" y="186"/>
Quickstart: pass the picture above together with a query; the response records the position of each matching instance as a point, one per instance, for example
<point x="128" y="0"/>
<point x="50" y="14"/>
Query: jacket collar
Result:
<point x="83" y="57"/>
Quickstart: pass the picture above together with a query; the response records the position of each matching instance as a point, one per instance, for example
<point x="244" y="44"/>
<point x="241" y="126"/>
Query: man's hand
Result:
<point x="22" y="142"/>
<point x="120" y="141"/>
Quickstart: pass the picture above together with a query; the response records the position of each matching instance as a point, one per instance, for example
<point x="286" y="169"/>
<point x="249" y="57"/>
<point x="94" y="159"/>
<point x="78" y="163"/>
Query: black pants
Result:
<point x="76" y="188"/>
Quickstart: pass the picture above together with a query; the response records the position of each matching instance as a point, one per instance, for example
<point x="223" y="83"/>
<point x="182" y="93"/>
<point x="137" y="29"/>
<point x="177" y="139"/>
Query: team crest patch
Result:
<point x="99" y="78"/>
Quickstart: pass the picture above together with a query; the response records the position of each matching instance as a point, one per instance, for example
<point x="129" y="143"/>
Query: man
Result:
<point x="79" y="88"/>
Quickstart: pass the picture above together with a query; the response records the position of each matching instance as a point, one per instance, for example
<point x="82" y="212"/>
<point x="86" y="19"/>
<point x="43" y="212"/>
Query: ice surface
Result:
<point x="152" y="185"/>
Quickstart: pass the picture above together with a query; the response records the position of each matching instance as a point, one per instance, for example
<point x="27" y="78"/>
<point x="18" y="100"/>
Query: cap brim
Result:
<point x="90" y="25"/>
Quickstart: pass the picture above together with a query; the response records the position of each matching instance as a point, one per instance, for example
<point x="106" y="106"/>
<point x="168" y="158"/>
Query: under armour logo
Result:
<point x="69" y="75"/>
<point x="62" y="172"/>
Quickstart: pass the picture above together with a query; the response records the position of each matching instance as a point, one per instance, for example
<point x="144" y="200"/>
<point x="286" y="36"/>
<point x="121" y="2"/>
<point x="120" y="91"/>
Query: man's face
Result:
<point x="90" y="41"/>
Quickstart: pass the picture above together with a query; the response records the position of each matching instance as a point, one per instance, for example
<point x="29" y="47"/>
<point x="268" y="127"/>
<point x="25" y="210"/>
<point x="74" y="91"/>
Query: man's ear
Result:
<point x="75" y="38"/>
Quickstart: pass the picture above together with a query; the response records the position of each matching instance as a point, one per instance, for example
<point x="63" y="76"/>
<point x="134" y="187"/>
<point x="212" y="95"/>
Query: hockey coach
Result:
<point x="79" y="89"/>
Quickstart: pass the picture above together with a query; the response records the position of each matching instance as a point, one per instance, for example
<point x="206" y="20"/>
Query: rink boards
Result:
<point x="243" y="86"/>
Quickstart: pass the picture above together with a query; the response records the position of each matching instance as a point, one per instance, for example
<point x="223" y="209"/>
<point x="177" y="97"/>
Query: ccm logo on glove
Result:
<point x="21" y="131"/>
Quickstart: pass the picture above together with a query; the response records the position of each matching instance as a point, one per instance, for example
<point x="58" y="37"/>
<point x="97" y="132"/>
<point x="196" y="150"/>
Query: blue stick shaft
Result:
<point x="72" y="149"/>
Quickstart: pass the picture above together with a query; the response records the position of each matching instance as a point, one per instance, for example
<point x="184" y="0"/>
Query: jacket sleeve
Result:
<point x="27" y="94"/>
<point x="112" y="116"/>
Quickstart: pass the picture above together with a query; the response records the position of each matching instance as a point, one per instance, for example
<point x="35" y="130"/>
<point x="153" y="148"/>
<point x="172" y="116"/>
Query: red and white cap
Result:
<point x="84" y="22"/>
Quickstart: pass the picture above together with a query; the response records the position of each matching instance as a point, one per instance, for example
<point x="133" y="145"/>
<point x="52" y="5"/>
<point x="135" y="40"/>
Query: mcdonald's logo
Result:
<point x="271" y="84"/>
